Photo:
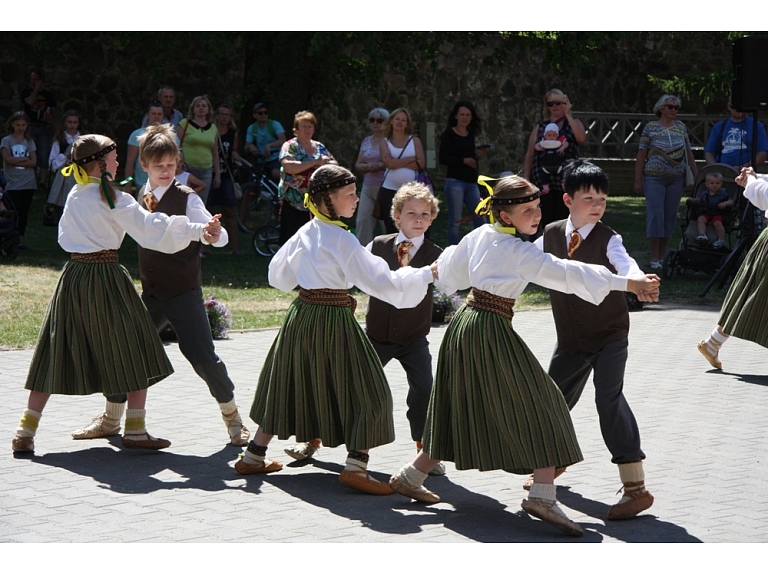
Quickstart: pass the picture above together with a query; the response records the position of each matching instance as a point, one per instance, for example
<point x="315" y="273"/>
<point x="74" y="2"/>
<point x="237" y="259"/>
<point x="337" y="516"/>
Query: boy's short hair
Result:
<point x="713" y="175"/>
<point x="414" y="191"/>
<point x="158" y="142"/>
<point x="583" y="175"/>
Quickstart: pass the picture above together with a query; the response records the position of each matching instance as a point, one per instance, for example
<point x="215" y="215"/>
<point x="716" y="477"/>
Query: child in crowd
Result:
<point x="19" y="159"/>
<point x="554" y="145"/>
<point x="171" y="287"/>
<point x="187" y="179"/>
<point x="402" y="333"/>
<point x="61" y="153"/>
<point x="492" y="404"/>
<point x="97" y="337"/>
<point x="744" y="310"/>
<point x="321" y="378"/>
<point x="711" y="205"/>
<point x="594" y="337"/>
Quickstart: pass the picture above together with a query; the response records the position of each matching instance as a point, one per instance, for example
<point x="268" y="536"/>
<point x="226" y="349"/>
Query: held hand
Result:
<point x="646" y="297"/>
<point x="433" y="269"/>
<point x="648" y="283"/>
<point x="212" y="230"/>
<point x="741" y="179"/>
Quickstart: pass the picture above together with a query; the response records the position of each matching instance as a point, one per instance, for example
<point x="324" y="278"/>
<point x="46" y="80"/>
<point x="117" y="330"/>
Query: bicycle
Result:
<point x="260" y="204"/>
<point x="266" y="240"/>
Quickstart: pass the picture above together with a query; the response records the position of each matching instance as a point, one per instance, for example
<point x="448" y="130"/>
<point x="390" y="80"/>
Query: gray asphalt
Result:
<point x="704" y="432"/>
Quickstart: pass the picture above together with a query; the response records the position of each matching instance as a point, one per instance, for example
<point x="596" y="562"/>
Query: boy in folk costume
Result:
<point x="594" y="337"/>
<point x="171" y="288"/>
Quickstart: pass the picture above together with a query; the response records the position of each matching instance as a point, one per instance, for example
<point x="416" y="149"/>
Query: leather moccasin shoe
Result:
<point x="148" y="443"/>
<point x="549" y="511"/>
<point x="632" y="503"/>
<point x="20" y="444"/>
<point x="99" y="427"/>
<point x="361" y="481"/>
<point x="713" y="360"/>
<point x="400" y="485"/>
<point x="266" y="466"/>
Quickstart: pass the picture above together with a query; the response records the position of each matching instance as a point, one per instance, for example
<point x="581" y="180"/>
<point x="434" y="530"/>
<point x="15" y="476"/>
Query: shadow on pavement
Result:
<point x="645" y="528"/>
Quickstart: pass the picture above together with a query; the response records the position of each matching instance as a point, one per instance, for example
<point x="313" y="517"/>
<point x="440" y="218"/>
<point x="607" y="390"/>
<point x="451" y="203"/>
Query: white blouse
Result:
<point x="57" y="157"/>
<point x="757" y="192"/>
<point x="322" y="255"/>
<point x="89" y="225"/>
<point x="504" y="265"/>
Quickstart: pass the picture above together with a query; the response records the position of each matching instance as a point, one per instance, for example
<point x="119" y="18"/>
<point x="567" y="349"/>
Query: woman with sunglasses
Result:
<point x="662" y="156"/>
<point x="369" y="163"/>
<point x="557" y="110"/>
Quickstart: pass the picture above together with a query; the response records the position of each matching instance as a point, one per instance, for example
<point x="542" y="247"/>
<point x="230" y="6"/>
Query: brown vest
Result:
<point x="167" y="275"/>
<point x="385" y="322"/>
<point x="581" y="325"/>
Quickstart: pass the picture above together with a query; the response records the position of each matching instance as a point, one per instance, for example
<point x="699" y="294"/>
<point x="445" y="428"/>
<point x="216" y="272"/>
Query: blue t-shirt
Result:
<point x="264" y="137"/>
<point x="735" y="147"/>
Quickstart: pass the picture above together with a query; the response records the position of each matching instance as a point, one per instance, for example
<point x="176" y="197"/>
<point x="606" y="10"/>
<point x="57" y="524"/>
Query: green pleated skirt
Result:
<point x="97" y="336"/>
<point x="493" y="406"/>
<point x="323" y="379"/>
<point x="745" y="310"/>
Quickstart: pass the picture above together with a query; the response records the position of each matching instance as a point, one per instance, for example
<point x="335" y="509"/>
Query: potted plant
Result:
<point x="444" y="306"/>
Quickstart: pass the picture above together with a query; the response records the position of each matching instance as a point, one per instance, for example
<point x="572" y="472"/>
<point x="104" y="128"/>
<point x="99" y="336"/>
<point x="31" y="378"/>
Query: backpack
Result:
<point x="270" y="129"/>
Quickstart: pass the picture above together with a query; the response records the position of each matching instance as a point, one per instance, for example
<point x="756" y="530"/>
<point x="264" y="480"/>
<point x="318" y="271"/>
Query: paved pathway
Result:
<point x="705" y="434"/>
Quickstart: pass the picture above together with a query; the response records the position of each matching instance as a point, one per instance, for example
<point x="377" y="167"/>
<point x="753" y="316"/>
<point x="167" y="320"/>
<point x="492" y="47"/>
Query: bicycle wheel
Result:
<point x="266" y="240"/>
<point x="255" y="208"/>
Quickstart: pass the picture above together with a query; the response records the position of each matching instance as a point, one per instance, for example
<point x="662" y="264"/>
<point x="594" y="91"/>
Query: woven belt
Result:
<point x="484" y="301"/>
<point x="102" y="257"/>
<point x="337" y="297"/>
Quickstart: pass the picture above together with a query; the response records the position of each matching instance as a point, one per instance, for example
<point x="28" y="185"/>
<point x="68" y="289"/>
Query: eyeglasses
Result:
<point x="375" y="120"/>
<point x="262" y="113"/>
<point x="553" y="104"/>
<point x="672" y="107"/>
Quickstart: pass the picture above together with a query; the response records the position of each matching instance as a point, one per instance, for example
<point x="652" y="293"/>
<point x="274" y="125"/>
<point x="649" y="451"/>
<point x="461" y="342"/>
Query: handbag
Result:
<point x="423" y="178"/>
<point x="378" y="211"/>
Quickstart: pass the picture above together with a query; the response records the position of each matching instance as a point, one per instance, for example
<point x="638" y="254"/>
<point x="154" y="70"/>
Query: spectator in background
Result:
<point x="61" y="153"/>
<point x="662" y="155"/>
<point x="264" y="139"/>
<point x="133" y="169"/>
<point x="167" y="98"/>
<point x="199" y="144"/>
<point x="557" y="111"/>
<point x="369" y="163"/>
<point x="730" y="141"/>
<point x="19" y="161"/>
<point x="40" y="108"/>
<point x="458" y="152"/>
<point x="299" y="158"/>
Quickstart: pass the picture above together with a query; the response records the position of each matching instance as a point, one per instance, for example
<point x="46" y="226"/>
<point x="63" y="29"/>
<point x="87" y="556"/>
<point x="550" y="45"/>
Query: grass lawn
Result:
<point x="26" y="284"/>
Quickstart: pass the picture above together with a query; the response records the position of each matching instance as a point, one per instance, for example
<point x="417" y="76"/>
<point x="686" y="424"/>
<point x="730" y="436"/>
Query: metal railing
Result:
<point x="617" y="135"/>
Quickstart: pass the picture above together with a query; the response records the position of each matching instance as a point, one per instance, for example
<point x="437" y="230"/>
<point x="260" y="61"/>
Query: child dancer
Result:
<point x="595" y="337"/>
<point x="744" y="311"/>
<point x="171" y="287"/>
<point x="492" y="404"/>
<point x="402" y="334"/>
<point x="321" y="378"/>
<point x="97" y="337"/>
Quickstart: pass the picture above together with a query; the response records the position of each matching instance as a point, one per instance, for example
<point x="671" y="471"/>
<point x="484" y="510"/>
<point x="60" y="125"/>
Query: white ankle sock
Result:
<point x="28" y="423"/>
<point x="114" y="411"/>
<point x="412" y="475"/>
<point x="715" y="341"/>
<point x="543" y="491"/>
<point x="135" y="427"/>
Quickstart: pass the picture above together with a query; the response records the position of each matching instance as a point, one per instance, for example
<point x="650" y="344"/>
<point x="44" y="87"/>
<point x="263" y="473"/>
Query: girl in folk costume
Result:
<point x="493" y="406"/>
<point x="97" y="336"/>
<point x="322" y="378"/>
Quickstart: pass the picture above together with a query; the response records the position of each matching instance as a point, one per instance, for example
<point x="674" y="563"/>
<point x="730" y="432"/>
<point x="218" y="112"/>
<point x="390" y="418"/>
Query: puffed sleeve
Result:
<point x="281" y="275"/>
<point x="757" y="192"/>
<point x="156" y="231"/>
<point x="403" y="288"/>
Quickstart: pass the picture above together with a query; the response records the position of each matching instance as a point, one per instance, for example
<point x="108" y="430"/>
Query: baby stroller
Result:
<point x="9" y="230"/>
<point x="695" y="252"/>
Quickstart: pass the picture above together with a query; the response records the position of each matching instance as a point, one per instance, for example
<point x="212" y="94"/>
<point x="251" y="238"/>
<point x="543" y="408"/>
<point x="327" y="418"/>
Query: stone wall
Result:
<point x="111" y="78"/>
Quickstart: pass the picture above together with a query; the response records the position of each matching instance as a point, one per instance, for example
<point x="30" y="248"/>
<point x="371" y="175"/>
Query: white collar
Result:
<point x="416" y="241"/>
<point x="584" y="231"/>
